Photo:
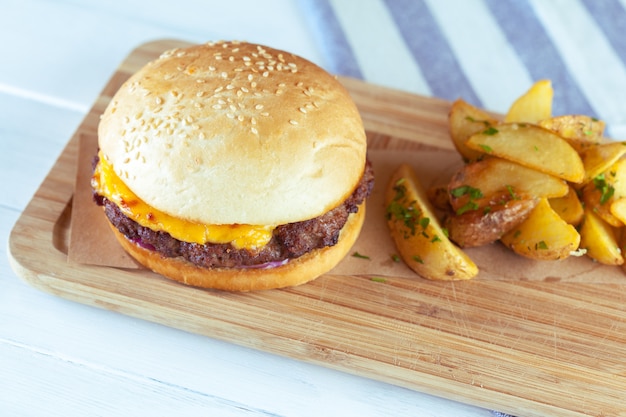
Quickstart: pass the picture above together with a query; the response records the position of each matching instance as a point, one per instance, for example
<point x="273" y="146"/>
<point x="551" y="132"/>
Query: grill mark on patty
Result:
<point x="288" y="241"/>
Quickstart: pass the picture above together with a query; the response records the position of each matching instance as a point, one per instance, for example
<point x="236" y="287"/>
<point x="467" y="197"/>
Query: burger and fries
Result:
<point x="240" y="167"/>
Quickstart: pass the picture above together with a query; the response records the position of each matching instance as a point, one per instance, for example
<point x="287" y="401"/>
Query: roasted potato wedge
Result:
<point x="580" y="131"/>
<point x="418" y="236"/>
<point x="543" y="235"/>
<point x="597" y="159"/>
<point x="604" y="190"/>
<point x="479" y="184"/>
<point x="568" y="207"/>
<point x="600" y="240"/>
<point x="618" y="209"/>
<point x="464" y="120"/>
<point x="531" y="146"/>
<point x="481" y="227"/>
<point x="532" y="106"/>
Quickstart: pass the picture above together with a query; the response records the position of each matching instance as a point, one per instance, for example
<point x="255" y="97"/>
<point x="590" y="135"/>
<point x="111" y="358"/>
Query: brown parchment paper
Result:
<point x="92" y="242"/>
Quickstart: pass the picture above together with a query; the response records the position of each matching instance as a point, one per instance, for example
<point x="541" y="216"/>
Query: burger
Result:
<point x="233" y="166"/>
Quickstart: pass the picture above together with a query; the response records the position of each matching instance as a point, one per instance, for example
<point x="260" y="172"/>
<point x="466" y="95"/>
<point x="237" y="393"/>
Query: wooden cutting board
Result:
<point x="527" y="347"/>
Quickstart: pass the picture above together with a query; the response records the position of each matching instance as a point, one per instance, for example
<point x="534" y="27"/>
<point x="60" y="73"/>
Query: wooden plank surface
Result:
<point x="533" y="348"/>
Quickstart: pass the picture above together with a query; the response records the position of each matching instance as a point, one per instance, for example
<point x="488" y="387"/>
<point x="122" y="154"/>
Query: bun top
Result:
<point x="235" y="133"/>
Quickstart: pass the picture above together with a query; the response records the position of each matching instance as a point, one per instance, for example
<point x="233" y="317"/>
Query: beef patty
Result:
<point x="288" y="241"/>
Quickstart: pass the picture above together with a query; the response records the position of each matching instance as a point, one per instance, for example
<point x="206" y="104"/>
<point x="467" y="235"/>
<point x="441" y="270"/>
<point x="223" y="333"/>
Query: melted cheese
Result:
<point x="106" y="183"/>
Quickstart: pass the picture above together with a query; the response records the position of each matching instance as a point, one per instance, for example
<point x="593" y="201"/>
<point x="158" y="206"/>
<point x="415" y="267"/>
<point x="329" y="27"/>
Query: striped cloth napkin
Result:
<point x="487" y="52"/>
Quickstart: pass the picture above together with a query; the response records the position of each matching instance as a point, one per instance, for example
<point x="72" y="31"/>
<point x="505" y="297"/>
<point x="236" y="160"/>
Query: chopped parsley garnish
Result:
<point x="395" y="258"/>
<point x="512" y="192"/>
<point x="473" y="193"/>
<point x="487" y="123"/>
<point x="486" y="148"/>
<point x="541" y="245"/>
<point x="378" y="279"/>
<point x="606" y="190"/>
<point x="490" y="131"/>
<point x="358" y="255"/>
<point x="406" y="212"/>
<point x="418" y="259"/>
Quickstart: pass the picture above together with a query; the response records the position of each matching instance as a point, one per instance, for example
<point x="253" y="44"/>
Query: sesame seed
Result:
<point x="211" y="68"/>
<point x="254" y="130"/>
<point x="201" y="135"/>
<point x="230" y="115"/>
<point x="302" y="110"/>
<point x="266" y="73"/>
<point x="253" y="120"/>
<point x="218" y="89"/>
<point x="230" y="87"/>
<point x="265" y="114"/>
<point x="240" y="118"/>
<point x="216" y="107"/>
<point x="158" y="100"/>
<point x="246" y="58"/>
<point x="224" y="74"/>
<point x="258" y="106"/>
<point x="200" y="93"/>
<point x="244" y="89"/>
<point x="293" y="122"/>
<point x="233" y="107"/>
<point x="253" y="84"/>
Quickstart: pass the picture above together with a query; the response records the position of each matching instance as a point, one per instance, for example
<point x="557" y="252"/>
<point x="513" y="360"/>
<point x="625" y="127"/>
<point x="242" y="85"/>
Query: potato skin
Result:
<point x="478" y="228"/>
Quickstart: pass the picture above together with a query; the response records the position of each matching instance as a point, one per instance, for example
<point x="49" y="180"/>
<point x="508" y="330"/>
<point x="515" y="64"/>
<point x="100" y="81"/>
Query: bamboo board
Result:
<point x="530" y="348"/>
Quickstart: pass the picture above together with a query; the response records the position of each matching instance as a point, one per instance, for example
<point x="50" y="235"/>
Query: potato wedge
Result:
<point x="532" y="106"/>
<point x="568" y="207"/>
<point x="597" y="159"/>
<point x="481" y="183"/>
<point x="416" y="231"/>
<point x="478" y="228"/>
<point x="531" y="146"/>
<point x="579" y="130"/>
<point x="605" y="190"/>
<point x="543" y="235"/>
<point x="600" y="240"/>
<point x="463" y="121"/>
<point x="618" y="209"/>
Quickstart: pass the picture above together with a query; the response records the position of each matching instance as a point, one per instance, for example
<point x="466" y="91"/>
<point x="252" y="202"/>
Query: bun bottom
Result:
<point x="295" y="272"/>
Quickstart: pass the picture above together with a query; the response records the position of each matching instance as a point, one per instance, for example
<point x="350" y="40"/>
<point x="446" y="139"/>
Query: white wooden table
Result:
<point x="60" y="358"/>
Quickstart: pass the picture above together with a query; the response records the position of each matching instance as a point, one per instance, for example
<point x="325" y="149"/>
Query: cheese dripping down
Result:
<point x="242" y="236"/>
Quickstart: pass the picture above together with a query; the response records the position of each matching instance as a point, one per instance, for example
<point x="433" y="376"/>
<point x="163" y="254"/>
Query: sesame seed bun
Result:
<point x="235" y="133"/>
